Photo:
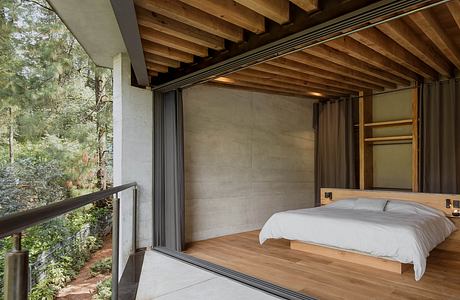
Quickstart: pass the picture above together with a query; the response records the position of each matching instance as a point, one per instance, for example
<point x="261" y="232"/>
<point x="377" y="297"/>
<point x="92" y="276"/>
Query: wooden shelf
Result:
<point x="389" y="138"/>
<point x="389" y="123"/>
<point x="393" y="123"/>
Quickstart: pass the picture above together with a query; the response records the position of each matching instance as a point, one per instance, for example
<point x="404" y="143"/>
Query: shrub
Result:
<point x="103" y="266"/>
<point x="103" y="290"/>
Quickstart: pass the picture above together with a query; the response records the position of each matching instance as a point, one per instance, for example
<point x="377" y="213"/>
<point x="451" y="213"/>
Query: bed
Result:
<point x="384" y="232"/>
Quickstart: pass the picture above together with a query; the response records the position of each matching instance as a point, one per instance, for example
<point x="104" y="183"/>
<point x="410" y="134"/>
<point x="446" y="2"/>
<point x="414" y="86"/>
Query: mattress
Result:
<point x="406" y="234"/>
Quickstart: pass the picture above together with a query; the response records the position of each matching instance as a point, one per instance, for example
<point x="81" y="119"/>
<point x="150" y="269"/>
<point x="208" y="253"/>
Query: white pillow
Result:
<point x="343" y="204"/>
<point x="370" y="204"/>
<point x="402" y="206"/>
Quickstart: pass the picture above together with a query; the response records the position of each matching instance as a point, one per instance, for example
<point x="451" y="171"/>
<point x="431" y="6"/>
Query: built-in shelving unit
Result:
<point x="367" y="140"/>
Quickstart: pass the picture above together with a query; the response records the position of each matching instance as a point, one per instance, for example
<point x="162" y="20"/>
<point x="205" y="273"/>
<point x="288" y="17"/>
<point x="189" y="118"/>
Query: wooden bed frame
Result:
<point x="437" y="201"/>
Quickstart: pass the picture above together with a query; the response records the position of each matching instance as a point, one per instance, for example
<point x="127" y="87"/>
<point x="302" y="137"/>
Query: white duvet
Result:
<point x="405" y="232"/>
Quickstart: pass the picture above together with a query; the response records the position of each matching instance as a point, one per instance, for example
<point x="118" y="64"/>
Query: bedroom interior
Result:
<point x="292" y="149"/>
<point x="370" y="114"/>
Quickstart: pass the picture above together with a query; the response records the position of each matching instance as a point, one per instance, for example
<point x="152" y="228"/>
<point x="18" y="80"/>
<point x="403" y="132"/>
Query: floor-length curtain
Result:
<point x="168" y="202"/>
<point x="440" y="137"/>
<point x="334" y="145"/>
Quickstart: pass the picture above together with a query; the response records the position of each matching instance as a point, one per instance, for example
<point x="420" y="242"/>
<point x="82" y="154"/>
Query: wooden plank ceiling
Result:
<point x="423" y="45"/>
<point x="183" y="31"/>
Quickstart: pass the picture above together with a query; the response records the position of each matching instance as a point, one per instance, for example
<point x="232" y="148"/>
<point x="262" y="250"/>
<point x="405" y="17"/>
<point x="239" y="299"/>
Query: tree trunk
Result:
<point x="11" y="136"/>
<point x="99" y="88"/>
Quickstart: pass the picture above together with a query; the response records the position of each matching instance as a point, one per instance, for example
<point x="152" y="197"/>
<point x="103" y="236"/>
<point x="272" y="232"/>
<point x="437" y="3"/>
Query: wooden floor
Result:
<point x="326" y="278"/>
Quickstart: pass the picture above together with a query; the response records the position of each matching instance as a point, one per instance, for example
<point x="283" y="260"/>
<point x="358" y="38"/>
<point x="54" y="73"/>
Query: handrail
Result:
<point x="17" y="222"/>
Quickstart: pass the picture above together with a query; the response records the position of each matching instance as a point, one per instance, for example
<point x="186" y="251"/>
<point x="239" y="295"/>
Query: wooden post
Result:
<point x="415" y="144"/>
<point x="366" y="174"/>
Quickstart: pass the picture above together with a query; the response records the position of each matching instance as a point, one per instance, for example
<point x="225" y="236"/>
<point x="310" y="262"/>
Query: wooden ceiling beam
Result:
<point x="338" y="57"/>
<point x="168" y="52"/>
<point x="232" y="12"/>
<point x="176" y="10"/>
<point x="428" y="24"/>
<point x="375" y="39"/>
<point x="242" y="85"/>
<point x="156" y="67"/>
<point x="276" y="83"/>
<point x="357" y="50"/>
<point x="305" y="68"/>
<point x="276" y="10"/>
<point x="293" y="74"/>
<point x="299" y="82"/>
<point x="180" y="30"/>
<point x="290" y="81"/>
<point x="251" y="82"/>
<point x="306" y="5"/>
<point x="154" y="58"/>
<point x="403" y="34"/>
<point x="324" y="64"/>
<point x="172" y="41"/>
<point x="454" y="9"/>
<point x="152" y="73"/>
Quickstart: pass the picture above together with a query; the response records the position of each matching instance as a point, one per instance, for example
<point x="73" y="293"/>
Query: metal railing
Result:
<point x="16" y="285"/>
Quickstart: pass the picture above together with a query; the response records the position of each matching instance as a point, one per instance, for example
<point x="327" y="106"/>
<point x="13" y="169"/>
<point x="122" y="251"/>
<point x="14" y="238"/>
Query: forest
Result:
<point x="55" y="137"/>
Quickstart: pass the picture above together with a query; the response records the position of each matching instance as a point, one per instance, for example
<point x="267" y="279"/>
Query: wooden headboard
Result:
<point x="433" y="200"/>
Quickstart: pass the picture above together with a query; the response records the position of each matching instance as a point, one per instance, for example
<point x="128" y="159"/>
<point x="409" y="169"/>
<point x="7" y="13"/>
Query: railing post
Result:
<point x="16" y="271"/>
<point x="115" y="245"/>
<point x="134" y="235"/>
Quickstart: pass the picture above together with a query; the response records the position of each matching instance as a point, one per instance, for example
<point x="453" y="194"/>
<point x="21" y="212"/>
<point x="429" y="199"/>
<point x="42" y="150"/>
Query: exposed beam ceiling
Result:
<point x="357" y="50"/>
<point x="172" y="41"/>
<point x="276" y="70"/>
<point x="178" y="29"/>
<point x="308" y="69"/>
<point x="182" y="35"/>
<point x="454" y="9"/>
<point x="161" y="60"/>
<point x="437" y="34"/>
<point x="375" y="39"/>
<point x="403" y="34"/>
<point x="168" y="52"/>
<point x="232" y="12"/>
<point x="290" y="80"/>
<point x="323" y="64"/>
<point x="304" y="27"/>
<point x="306" y="5"/>
<point x="276" y="10"/>
<point x="176" y="10"/>
<point x="343" y="59"/>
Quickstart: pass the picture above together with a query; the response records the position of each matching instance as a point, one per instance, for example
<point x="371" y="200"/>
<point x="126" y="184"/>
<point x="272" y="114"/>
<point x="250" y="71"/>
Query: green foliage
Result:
<point x="27" y="184"/>
<point x="47" y="100"/>
<point x="104" y="290"/>
<point x="103" y="266"/>
<point x="73" y="258"/>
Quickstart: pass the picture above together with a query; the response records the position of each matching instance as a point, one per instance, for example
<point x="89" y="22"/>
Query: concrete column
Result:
<point x="132" y="153"/>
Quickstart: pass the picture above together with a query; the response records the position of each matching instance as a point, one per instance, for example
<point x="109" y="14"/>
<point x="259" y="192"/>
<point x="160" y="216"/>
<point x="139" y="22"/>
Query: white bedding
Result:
<point x="406" y="232"/>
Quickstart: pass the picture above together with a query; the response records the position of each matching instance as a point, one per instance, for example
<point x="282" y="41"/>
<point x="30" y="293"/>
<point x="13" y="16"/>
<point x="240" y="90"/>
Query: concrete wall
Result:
<point x="393" y="163"/>
<point x="247" y="156"/>
<point x="132" y="157"/>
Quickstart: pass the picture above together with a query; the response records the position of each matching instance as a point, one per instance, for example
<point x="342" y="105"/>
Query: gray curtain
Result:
<point x="334" y="145"/>
<point x="440" y="137"/>
<point x="168" y="202"/>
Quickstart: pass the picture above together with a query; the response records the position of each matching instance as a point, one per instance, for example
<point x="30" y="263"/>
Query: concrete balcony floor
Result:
<point x="166" y="278"/>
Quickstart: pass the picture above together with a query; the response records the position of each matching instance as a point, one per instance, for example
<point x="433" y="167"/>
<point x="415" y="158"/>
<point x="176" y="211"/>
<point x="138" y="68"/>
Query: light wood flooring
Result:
<point x="326" y="278"/>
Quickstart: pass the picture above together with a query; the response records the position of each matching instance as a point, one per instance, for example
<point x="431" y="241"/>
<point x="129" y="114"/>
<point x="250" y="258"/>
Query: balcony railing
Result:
<point x="16" y="280"/>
